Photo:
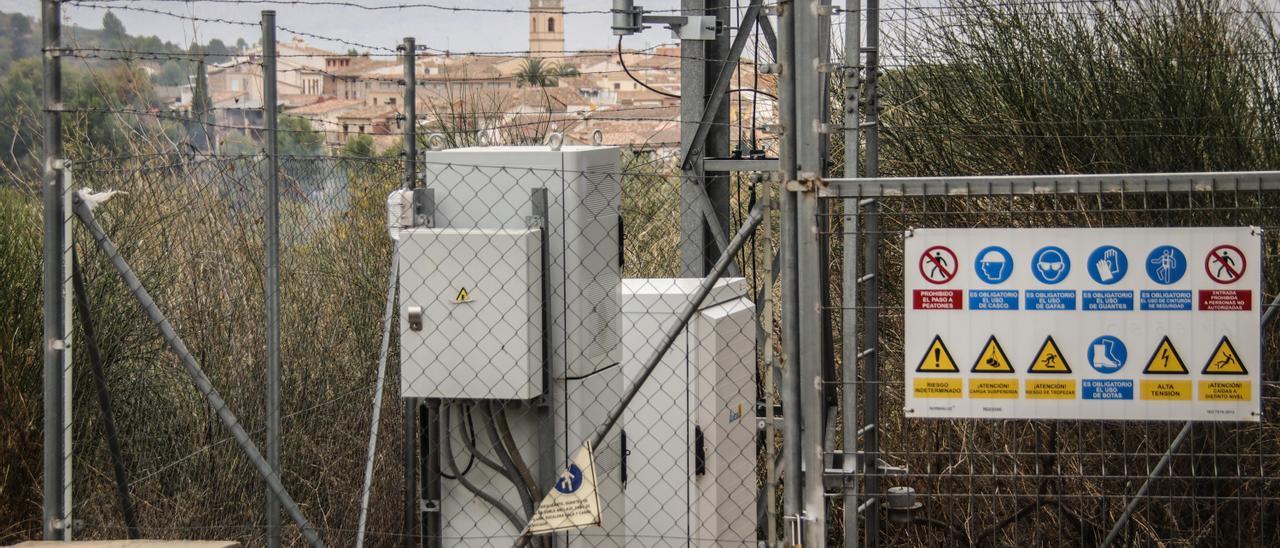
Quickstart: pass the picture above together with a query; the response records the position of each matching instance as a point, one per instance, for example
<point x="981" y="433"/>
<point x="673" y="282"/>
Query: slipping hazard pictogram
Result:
<point x="463" y="296"/>
<point x="1049" y="359"/>
<point x="992" y="359"/>
<point x="1224" y="360"/>
<point x="937" y="359"/>
<point x="1165" y="360"/>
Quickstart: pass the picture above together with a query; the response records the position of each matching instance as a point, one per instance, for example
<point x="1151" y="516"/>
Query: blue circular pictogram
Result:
<point x="1166" y="265"/>
<point x="570" y="480"/>
<point x="1107" y="354"/>
<point x="993" y="264"/>
<point x="1108" y="264"/>
<point x="1050" y="265"/>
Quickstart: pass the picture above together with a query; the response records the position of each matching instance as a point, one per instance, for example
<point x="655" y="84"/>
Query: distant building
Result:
<point x="546" y="28"/>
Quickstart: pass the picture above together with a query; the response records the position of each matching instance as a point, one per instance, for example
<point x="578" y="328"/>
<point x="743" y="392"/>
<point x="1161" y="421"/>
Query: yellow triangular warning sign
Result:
<point x="1224" y="361"/>
<point x="992" y="359"/>
<point x="1165" y="360"/>
<point x="937" y="359"/>
<point x="1049" y="359"/>
<point x="573" y="502"/>
<point x="463" y="296"/>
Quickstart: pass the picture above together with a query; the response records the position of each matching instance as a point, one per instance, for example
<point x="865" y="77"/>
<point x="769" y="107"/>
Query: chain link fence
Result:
<point x="1057" y="482"/>
<point x="515" y="326"/>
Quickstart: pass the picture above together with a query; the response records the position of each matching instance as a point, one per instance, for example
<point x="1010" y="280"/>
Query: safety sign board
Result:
<point x="1165" y="360"/>
<point x="573" y="502"/>
<point x="992" y="359"/>
<point x="937" y="359"/>
<point x="1083" y="323"/>
<point x="938" y="265"/>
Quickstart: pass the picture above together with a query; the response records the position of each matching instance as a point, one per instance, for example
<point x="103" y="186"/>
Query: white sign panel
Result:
<point x="1108" y="323"/>
<point x="573" y="502"/>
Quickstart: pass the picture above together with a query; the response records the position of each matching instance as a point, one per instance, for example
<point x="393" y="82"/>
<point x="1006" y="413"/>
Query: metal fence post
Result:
<point x="808" y="30"/>
<point x="56" y="339"/>
<point x="850" y="463"/>
<point x="871" y="263"/>
<point x="790" y="299"/>
<point x="272" y="288"/>
<point x="410" y="404"/>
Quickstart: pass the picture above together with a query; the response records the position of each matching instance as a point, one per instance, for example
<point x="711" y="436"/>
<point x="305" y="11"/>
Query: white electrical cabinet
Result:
<point x="690" y="450"/>
<point x="473" y="317"/>
<point x="487" y="192"/>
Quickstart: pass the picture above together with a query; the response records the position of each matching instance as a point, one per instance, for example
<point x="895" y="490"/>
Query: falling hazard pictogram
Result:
<point x="1224" y="360"/>
<point x="1165" y="360"/>
<point x="992" y="359"/>
<point x="1049" y="359"/>
<point x="937" y="359"/>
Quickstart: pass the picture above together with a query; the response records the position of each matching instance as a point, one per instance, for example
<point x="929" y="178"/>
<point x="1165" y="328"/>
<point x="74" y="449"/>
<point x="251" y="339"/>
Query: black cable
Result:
<point x="444" y="428"/>
<point x="452" y="463"/>
<point x="622" y="61"/>
<point x="504" y="431"/>
<point x="508" y="466"/>
<point x="470" y="442"/>
<point x="583" y="376"/>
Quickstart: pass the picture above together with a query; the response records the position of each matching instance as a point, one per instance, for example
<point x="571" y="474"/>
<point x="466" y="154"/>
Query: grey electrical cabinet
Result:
<point x="471" y="317"/>
<point x="690" y="451"/>
<point x="488" y="223"/>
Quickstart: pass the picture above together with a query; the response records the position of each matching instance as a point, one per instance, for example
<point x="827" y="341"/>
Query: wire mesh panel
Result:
<point x="1064" y="482"/>
<point x="191" y="227"/>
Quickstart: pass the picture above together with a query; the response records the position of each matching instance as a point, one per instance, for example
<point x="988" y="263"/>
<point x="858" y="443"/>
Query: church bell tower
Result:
<point x="546" y="28"/>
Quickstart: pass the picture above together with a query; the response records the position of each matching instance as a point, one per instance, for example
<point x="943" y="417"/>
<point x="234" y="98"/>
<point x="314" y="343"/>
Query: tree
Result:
<point x="357" y="146"/>
<point x="298" y="138"/>
<point x="241" y="45"/>
<point x="534" y="72"/>
<point x="217" y="51"/>
<point x="113" y="31"/>
<point x="172" y="73"/>
<point x="567" y="71"/>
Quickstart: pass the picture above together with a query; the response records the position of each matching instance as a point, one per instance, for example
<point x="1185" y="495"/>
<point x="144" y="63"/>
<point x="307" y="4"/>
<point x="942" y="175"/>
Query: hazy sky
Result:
<point x="437" y="28"/>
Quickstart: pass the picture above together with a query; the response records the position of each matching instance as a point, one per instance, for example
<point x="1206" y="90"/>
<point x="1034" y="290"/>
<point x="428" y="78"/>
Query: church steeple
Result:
<point x="546" y="28"/>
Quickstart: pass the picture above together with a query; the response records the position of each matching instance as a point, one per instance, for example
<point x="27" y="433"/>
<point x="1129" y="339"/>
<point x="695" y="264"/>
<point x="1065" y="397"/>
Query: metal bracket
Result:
<point x="806" y="184"/>
<point x="629" y="18"/>
<point x="424" y="207"/>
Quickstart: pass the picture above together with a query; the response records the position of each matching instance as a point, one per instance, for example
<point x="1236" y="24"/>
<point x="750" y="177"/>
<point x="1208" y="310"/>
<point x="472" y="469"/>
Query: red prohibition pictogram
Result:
<point x="938" y="264"/>
<point x="1225" y="264"/>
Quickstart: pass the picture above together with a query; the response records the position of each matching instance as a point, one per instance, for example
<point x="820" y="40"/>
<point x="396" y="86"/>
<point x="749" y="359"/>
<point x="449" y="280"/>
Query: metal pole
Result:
<point x="871" y="262"/>
<point x="376" y="419"/>
<point x="118" y="469"/>
<point x="790" y="303"/>
<point x="702" y="59"/>
<point x="271" y="297"/>
<point x="410" y="472"/>
<point x="849" y="274"/>
<point x="410" y="112"/>
<point x="55" y="335"/>
<point x="704" y="288"/>
<point x="808" y="30"/>
<point x="770" y="364"/>
<point x="410" y="404"/>
<point x="197" y="375"/>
